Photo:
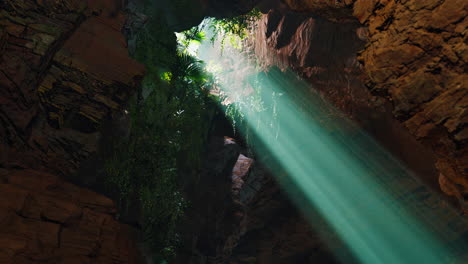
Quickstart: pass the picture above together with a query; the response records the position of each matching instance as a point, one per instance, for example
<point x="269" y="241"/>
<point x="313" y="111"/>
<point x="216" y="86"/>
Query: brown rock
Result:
<point x="62" y="72"/>
<point x="417" y="59"/>
<point x="44" y="218"/>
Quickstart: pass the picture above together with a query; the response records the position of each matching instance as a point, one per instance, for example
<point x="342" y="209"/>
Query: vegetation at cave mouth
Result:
<point x="170" y="120"/>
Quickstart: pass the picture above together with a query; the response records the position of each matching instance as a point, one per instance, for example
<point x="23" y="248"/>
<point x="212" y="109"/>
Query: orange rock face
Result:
<point x="415" y="57"/>
<point x="63" y="70"/>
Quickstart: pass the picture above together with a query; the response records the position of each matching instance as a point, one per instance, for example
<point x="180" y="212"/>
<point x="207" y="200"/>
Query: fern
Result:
<point x="168" y="134"/>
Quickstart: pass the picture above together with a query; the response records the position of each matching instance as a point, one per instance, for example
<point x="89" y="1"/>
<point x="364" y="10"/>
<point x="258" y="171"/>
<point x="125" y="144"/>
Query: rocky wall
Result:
<point x="64" y="68"/>
<point x="384" y="63"/>
<point x="46" y="220"/>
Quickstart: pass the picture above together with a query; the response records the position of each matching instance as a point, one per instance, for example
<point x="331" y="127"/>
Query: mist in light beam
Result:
<point x="380" y="211"/>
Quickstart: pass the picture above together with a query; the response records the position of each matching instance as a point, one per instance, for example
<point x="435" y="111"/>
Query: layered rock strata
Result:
<point x="64" y="68"/>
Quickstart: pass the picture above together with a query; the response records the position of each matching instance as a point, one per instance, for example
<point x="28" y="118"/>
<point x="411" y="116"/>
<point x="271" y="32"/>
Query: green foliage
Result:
<point x="169" y="126"/>
<point x="168" y="133"/>
<point x="195" y="34"/>
<point x="189" y="69"/>
<point x="235" y="26"/>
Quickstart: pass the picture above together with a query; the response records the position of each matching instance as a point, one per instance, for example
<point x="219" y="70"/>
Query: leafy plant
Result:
<point x="195" y="34"/>
<point x="169" y="128"/>
<point x="238" y="26"/>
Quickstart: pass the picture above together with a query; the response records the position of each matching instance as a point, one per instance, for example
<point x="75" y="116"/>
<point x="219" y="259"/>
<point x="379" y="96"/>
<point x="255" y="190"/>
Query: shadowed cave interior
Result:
<point x="233" y="131"/>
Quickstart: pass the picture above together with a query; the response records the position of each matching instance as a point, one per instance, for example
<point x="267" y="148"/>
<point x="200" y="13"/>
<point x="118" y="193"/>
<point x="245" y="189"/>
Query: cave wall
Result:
<point x="325" y="54"/>
<point x="64" y="68"/>
<point x="416" y="58"/>
<point x="393" y="66"/>
<point x="46" y="220"/>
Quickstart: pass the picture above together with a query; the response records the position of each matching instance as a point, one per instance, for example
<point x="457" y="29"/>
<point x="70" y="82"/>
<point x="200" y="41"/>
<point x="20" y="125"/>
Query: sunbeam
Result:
<point x="376" y="206"/>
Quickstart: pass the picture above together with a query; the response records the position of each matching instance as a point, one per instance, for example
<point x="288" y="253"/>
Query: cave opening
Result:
<point x="331" y="168"/>
<point x="274" y="132"/>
